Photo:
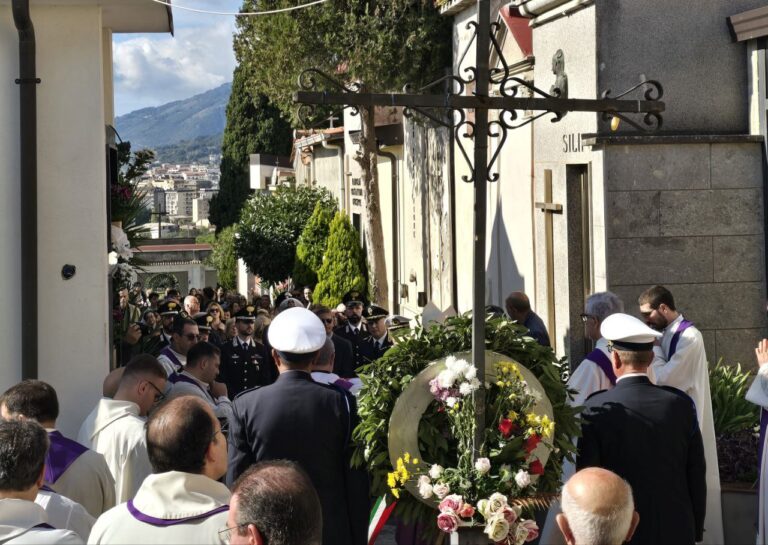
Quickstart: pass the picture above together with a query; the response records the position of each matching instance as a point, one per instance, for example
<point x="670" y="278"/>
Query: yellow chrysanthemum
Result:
<point x="512" y="415"/>
<point x="395" y="493"/>
<point x="407" y="458"/>
<point x="391" y="480"/>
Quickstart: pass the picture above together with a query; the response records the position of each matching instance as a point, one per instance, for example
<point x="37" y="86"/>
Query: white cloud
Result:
<point x="152" y="69"/>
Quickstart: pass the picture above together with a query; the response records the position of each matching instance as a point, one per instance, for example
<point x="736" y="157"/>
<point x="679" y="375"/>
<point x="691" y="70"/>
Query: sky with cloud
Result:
<point x="152" y="69"/>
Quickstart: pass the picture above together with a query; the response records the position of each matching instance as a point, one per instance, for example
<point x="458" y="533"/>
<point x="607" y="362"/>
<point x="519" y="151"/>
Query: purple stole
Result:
<point x="61" y="454"/>
<point x="341" y="383"/>
<point x="184" y="378"/>
<point x="685" y="324"/>
<point x="760" y="453"/>
<point x="138" y="515"/>
<point x="168" y="353"/>
<point x="43" y="526"/>
<point x="602" y="361"/>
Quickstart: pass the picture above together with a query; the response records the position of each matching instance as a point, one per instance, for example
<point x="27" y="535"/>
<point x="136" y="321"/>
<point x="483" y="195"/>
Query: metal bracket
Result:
<point x="25" y="81"/>
<point x="549" y="207"/>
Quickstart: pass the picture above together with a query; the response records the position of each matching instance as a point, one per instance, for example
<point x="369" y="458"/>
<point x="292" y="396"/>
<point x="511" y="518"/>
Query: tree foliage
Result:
<point x="254" y="125"/>
<point x="343" y="265"/>
<point x="312" y="245"/>
<point x="223" y="257"/>
<point x="270" y="226"/>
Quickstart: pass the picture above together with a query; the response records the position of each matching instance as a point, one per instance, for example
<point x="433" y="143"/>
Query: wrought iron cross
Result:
<point x="448" y="110"/>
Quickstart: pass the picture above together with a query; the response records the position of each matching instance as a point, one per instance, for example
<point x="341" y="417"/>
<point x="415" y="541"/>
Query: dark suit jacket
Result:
<point x="649" y="436"/>
<point x="357" y="341"/>
<point x="244" y="368"/>
<point x="298" y="419"/>
<point x="344" y="362"/>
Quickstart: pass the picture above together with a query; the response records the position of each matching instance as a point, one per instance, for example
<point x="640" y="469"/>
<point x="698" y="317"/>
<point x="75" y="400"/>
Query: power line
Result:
<point x="239" y="14"/>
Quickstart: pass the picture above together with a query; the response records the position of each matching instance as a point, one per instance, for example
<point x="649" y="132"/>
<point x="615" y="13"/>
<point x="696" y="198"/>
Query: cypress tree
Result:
<point x="312" y="245"/>
<point x="343" y="264"/>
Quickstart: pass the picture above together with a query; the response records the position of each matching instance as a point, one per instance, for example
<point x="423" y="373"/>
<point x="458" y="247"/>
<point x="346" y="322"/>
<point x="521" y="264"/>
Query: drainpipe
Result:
<point x="395" y="235"/>
<point x="28" y="158"/>
<point x="340" y="150"/>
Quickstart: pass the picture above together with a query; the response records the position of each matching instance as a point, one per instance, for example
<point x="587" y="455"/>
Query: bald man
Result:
<point x="518" y="308"/>
<point x="597" y="509"/>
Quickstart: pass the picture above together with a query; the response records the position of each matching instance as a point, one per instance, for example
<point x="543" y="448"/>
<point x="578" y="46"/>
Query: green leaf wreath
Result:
<point x="385" y="379"/>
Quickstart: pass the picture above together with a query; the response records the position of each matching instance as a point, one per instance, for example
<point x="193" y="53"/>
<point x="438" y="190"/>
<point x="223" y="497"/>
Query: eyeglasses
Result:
<point x="585" y="317"/>
<point x="327" y="320"/>
<point x="159" y="396"/>
<point x="225" y="534"/>
<point x="213" y="310"/>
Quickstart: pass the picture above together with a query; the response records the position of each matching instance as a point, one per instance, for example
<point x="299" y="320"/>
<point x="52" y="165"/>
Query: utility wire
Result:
<point x="239" y="14"/>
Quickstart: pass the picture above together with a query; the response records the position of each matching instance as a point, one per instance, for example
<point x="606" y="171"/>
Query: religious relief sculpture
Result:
<point x="560" y="88"/>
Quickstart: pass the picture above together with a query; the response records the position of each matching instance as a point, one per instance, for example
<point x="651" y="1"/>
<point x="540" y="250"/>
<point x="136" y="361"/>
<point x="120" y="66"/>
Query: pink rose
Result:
<point x="454" y="503"/>
<point x="447" y="521"/>
<point x="510" y="515"/>
<point x="532" y="527"/>
<point x="467" y="511"/>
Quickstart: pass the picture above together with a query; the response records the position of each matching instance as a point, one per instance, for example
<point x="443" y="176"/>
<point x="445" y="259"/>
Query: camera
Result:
<point x="144" y="328"/>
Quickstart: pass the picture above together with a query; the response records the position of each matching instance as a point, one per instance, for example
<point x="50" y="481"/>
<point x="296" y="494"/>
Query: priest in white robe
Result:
<point x="182" y="502"/>
<point x="65" y="514"/>
<point x="594" y="374"/>
<point x="115" y="427"/>
<point x="680" y="361"/>
<point x="758" y="394"/>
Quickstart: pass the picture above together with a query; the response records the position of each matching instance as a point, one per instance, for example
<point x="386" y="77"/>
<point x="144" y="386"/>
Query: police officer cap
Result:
<point x="297" y="331"/>
<point x="248" y="312"/>
<point x="352" y="298"/>
<point x="203" y="320"/>
<point x="628" y="333"/>
<point x="168" y="307"/>
<point x="397" y="322"/>
<point x="376" y="313"/>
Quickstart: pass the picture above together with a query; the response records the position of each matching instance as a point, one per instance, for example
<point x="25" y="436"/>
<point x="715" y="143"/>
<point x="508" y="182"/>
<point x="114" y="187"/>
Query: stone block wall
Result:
<point x="690" y="216"/>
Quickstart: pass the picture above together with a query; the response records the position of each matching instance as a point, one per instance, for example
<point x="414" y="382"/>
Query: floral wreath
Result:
<point x="519" y="466"/>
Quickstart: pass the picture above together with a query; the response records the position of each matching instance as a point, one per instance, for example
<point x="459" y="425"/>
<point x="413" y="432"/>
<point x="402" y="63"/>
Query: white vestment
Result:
<point x="758" y="394"/>
<point x="688" y="371"/>
<point x="355" y="384"/>
<point x="65" y="514"/>
<point x="115" y="429"/>
<point x="172" y="507"/>
<point x="89" y="482"/>
<point x="221" y="406"/>
<point x="587" y="379"/>
<point x="20" y="524"/>
<point x="170" y="366"/>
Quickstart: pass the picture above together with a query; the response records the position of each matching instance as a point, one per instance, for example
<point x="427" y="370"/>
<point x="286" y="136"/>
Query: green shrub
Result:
<point x="312" y="245"/>
<point x="728" y="385"/>
<point x="343" y="264"/>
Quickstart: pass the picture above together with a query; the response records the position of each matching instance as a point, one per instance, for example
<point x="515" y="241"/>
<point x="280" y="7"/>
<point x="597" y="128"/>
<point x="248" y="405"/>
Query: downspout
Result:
<point x="340" y="151"/>
<point x="395" y="234"/>
<point x="28" y="158"/>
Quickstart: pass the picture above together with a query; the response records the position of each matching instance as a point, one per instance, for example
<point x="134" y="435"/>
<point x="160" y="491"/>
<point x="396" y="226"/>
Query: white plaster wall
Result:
<point x="387" y="215"/>
<point x="74" y="353"/>
<point x="10" y="203"/>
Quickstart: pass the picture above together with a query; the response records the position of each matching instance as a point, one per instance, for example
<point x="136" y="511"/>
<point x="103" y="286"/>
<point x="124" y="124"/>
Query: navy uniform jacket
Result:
<point x="244" y="366"/>
<point x="371" y="351"/>
<point x="358" y="353"/>
<point x="649" y="435"/>
<point x="344" y="362"/>
<point x="298" y="419"/>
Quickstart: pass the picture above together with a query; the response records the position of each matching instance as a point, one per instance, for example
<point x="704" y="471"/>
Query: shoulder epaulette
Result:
<point x="246" y="392"/>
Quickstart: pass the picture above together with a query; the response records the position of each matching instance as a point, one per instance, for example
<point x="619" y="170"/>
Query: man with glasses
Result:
<point x="680" y="361"/>
<point x="274" y="503"/>
<point x="181" y="501"/>
<point x="115" y="427"/>
<point x="243" y="362"/>
<point x="344" y="364"/>
<point x="186" y="334"/>
<point x="355" y="330"/>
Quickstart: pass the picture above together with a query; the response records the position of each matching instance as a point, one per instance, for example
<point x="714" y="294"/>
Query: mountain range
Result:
<point x="179" y="131"/>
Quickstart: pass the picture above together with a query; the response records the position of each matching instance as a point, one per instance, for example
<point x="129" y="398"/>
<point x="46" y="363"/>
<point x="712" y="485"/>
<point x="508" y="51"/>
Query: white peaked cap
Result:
<point x="297" y="331"/>
<point x="625" y="329"/>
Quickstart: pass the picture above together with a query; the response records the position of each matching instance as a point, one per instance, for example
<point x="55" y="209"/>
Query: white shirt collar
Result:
<point x="380" y="340"/>
<point x="631" y="375"/>
<point x="237" y="342"/>
<point x="175" y="493"/>
<point x="674" y="324"/>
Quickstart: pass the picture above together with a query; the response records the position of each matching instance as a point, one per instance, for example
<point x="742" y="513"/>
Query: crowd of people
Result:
<point x="209" y="434"/>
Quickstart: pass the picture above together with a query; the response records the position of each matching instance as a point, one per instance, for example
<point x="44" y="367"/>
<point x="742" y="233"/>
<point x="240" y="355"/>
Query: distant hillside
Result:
<point x="190" y="123"/>
<point x="196" y="150"/>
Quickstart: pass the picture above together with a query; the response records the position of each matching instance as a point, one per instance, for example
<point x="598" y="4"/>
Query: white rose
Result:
<point x="496" y="503"/>
<point x="483" y="465"/>
<point x="446" y="378"/>
<point x="441" y="490"/>
<point x="465" y="389"/>
<point x="522" y="478"/>
<point x="425" y="490"/>
<point x="470" y="373"/>
<point x="497" y="528"/>
<point x="435" y="471"/>
<point x="424" y="480"/>
<point x="450" y="362"/>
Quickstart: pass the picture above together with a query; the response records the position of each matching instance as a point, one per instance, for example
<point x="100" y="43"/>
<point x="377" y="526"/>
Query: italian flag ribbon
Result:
<point x="379" y="515"/>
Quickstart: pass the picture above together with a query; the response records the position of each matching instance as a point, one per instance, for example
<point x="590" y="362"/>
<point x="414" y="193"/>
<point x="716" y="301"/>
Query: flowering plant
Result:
<point x="507" y="466"/>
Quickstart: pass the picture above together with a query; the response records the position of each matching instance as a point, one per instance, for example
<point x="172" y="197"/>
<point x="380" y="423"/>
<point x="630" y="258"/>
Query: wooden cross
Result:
<point x="507" y="102"/>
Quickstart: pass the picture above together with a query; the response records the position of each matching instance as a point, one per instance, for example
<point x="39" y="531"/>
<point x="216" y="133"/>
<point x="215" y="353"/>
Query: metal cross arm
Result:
<point x="477" y="102"/>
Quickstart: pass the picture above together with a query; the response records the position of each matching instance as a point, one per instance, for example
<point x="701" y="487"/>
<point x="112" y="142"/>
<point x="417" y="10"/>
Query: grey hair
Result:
<point x="327" y="355"/>
<point x="603" y="304"/>
<point x="599" y="529"/>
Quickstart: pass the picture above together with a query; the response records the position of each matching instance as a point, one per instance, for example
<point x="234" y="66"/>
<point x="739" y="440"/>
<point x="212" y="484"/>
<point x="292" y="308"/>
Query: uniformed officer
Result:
<point x="243" y="361"/>
<point x="168" y="310"/>
<point x="378" y="341"/>
<point x="355" y="331"/>
<point x="306" y="422"/>
<point x="648" y="435"/>
<point x="203" y="321"/>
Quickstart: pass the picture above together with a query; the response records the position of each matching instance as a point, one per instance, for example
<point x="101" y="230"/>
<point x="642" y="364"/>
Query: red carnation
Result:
<point x="531" y="443"/>
<point x="536" y="468"/>
<point x="506" y="427"/>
